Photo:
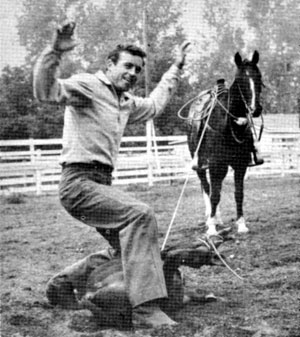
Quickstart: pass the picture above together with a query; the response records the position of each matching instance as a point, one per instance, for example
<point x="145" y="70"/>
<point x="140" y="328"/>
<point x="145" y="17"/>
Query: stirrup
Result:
<point x="256" y="162"/>
<point x="259" y="161"/>
<point x="202" y="167"/>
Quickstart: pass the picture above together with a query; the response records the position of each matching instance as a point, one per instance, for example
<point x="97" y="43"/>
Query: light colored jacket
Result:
<point x="95" y="117"/>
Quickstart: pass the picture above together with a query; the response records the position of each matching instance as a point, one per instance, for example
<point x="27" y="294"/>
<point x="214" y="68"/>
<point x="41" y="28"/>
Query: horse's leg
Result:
<point x="217" y="173"/>
<point x="205" y="190"/>
<point x="206" y="198"/>
<point x="239" y="175"/>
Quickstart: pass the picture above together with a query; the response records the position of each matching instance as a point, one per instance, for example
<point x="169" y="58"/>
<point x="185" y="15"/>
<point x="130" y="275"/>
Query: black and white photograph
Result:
<point x="150" y="168"/>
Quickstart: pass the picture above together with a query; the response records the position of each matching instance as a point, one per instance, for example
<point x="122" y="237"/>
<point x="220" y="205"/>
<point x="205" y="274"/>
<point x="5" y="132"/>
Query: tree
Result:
<point x="222" y="37"/>
<point x="20" y="116"/>
<point x="277" y="36"/>
<point x="269" y="26"/>
<point x="100" y="28"/>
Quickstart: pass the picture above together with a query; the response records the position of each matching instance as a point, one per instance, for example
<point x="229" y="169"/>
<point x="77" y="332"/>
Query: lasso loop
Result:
<point x="192" y="116"/>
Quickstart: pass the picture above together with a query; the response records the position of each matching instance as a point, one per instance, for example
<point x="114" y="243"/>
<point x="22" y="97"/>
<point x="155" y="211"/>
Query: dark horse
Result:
<point x="222" y="135"/>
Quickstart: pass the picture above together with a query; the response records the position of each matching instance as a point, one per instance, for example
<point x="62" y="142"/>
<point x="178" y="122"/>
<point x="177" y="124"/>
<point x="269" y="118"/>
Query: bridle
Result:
<point x="250" y="110"/>
<point x="249" y="114"/>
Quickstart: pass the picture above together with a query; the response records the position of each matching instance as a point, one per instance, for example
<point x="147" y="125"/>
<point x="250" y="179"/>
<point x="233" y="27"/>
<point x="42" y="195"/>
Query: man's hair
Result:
<point x="129" y="48"/>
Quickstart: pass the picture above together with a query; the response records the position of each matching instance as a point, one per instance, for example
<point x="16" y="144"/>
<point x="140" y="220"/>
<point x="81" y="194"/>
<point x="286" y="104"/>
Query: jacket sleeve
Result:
<point x="152" y="106"/>
<point x="47" y="87"/>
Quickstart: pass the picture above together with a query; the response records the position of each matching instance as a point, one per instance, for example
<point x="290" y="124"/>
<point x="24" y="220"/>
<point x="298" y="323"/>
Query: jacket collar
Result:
<point x="103" y="78"/>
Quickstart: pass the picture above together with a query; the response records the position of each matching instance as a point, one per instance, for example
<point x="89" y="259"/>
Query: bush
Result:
<point x="15" y="198"/>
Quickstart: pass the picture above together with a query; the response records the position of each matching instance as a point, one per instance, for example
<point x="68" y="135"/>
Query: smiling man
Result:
<point x="97" y="109"/>
<point x="124" y="65"/>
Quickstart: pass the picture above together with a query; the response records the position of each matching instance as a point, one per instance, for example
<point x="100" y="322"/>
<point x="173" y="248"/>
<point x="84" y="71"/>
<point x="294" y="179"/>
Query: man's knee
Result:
<point x="143" y="220"/>
<point x="144" y="210"/>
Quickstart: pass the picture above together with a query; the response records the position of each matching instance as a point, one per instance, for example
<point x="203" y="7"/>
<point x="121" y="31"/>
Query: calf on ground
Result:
<point x="96" y="282"/>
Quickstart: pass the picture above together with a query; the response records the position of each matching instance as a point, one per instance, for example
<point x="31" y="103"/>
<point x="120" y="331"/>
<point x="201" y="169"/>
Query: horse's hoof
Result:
<point x="211" y="231"/>
<point x="241" y="226"/>
<point x="243" y="229"/>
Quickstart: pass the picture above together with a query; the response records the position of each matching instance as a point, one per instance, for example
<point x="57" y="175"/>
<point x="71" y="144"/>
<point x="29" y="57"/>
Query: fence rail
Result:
<point x="32" y="165"/>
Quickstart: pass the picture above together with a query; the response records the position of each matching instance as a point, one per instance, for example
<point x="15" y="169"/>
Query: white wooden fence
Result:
<point x="32" y="165"/>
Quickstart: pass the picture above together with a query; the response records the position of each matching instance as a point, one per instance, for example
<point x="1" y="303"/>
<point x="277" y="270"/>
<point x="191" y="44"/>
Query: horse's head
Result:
<point x="248" y="83"/>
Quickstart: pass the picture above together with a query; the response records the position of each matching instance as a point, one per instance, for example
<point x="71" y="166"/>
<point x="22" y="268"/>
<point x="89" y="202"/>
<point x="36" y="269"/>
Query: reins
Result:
<point x="250" y="118"/>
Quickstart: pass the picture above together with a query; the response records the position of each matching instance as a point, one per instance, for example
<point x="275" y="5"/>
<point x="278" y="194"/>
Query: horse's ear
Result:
<point x="238" y="59"/>
<point x="255" y="57"/>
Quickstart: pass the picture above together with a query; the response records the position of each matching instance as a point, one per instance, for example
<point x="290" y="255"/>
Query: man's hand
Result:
<point x="241" y="121"/>
<point x="180" y="59"/>
<point x="63" y="38"/>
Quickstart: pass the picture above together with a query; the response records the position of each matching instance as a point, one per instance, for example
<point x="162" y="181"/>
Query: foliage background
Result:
<point x="270" y="26"/>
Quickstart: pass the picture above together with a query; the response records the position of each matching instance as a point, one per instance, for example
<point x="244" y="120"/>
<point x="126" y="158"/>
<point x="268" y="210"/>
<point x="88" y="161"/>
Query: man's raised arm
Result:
<point x="45" y="85"/>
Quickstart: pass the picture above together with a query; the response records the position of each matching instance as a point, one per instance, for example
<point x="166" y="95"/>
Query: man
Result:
<point x="98" y="108"/>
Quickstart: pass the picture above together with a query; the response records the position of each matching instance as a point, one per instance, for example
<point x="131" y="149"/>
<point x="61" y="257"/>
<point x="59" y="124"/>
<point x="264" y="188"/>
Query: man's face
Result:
<point x="124" y="74"/>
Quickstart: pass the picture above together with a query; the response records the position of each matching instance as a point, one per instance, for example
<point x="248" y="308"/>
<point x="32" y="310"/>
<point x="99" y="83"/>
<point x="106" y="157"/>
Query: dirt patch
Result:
<point x="38" y="239"/>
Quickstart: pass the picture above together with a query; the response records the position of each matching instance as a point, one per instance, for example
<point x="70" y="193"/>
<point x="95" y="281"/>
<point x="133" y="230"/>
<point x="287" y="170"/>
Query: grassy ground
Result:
<point x="38" y="239"/>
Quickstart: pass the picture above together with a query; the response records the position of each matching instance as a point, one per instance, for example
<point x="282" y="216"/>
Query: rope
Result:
<point x="204" y="129"/>
<point x="205" y="243"/>
<point x="203" y="93"/>
<point x="222" y="260"/>
<point x="186" y="180"/>
<point x="250" y="119"/>
<point x="175" y="212"/>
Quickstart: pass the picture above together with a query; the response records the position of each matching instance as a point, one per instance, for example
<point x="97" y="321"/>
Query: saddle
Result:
<point x="198" y="113"/>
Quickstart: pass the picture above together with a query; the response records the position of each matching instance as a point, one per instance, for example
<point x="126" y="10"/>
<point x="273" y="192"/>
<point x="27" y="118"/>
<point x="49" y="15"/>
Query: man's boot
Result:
<point x="149" y="315"/>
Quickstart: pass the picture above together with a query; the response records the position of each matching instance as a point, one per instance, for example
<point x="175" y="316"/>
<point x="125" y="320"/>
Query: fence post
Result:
<point x="38" y="180"/>
<point x="156" y="155"/>
<point x="282" y="163"/>
<point x="149" y="153"/>
<point x="38" y="171"/>
<point x="31" y="150"/>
